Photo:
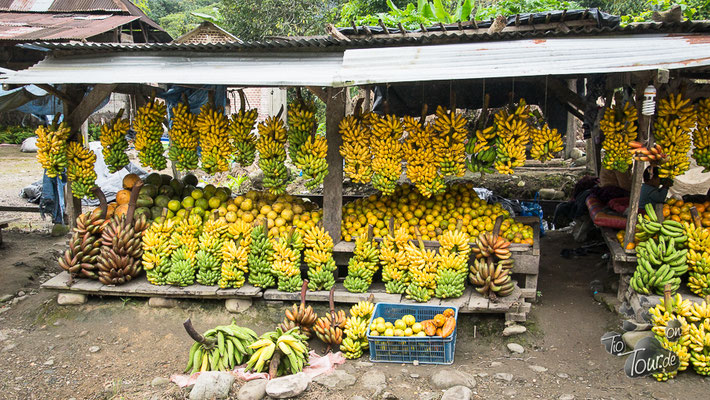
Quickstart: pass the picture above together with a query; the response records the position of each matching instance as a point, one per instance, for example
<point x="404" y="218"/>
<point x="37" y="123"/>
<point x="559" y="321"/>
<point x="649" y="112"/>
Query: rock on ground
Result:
<point x="287" y="386"/>
<point x="253" y="390"/>
<point x="457" y="393"/>
<point x="336" y="379"/>
<point x="373" y="380"/>
<point x="633" y="337"/>
<point x="71" y="299"/>
<point x="503" y="376"/>
<point x="447" y="378"/>
<point x="237" y="305"/>
<point x="515" y="348"/>
<point x="566" y="397"/>
<point x="514" y="330"/>
<point x="162" y="302"/>
<point x="538" y="368"/>
<point x="212" y="385"/>
<point x="159" y="381"/>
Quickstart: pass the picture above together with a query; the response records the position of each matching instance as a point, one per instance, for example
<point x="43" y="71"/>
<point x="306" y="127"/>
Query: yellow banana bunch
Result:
<point x="451" y="132"/>
<point x="243" y="140"/>
<point x="546" y="143"/>
<point x="422" y="160"/>
<point x="698" y="259"/>
<point x="355" y="149"/>
<point x="700" y="347"/>
<point x="287" y="261"/>
<point x="619" y="127"/>
<point x="701" y="136"/>
<point x="513" y="130"/>
<point x="355" y="340"/>
<point x="148" y="125"/>
<point x="157" y="249"/>
<point x="362" y="309"/>
<point x="272" y="154"/>
<point x="212" y="126"/>
<point x="673" y="308"/>
<point x="302" y="124"/>
<point x="676" y="118"/>
<point x="234" y="264"/>
<point x="394" y="261"/>
<point x="318" y="256"/>
<point x="452" y="261"/>
<point x="423" y="267"/>
<point x="52" y="148"/>
<point x="240" y="231"/>
<point x="387" y="153"/>
<point x="183" y="138"/>
<point x="209" y="255"/>
<point x="292" y="345"/>
<point x="455" y="241"/>
<point x="362" y="266"/>
<point x="114" y="143"/>
<point x="80" y="170"/>
<point x="311" y="160"/>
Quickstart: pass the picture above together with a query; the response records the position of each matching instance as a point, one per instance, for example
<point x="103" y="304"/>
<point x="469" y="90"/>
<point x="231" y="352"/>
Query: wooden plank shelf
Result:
<point x="622" y="262"/>
<point x="340" y="295"/>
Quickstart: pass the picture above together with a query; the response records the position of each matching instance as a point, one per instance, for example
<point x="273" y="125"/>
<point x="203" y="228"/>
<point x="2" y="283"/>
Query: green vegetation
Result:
<point x="15" y="134"/>
<point x="175" y="16"/>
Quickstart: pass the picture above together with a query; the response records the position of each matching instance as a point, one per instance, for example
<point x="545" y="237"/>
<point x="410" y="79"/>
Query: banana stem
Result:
<point x="102" y="200"/>
<point x="496" y="227"/>
<point x="242" y="100"/>
<point x="331" y="302"/>
<point x="207" y="342"/>
<point x="132" y="202"/>
<point x="667" y="298"/>
<point x="274" y="364"/>
<point x="304" y="288"/>
<point x="358" y="107"/>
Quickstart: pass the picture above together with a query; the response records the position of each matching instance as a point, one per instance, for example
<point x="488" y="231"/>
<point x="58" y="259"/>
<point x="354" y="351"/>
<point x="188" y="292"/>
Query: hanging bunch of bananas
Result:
<point x="52" y="147"/>
<point x="183" y="138"/>
<point x="182" y="261"/>
<point x="209" y="254"/>
<point x="619" y="127"/>
<point x="355" y="341"/>
<point x="698" y="258"/>
<point x="114" y="143"/>
<point x="157" y="249"/>
<point x="546" y="143"/>
<point x="452" y="264"/>
<point x="241" y="126"/>
<point x="355" y="149"/>
<point x="654" y="155"/>
<point x="423" y="268"/>
<point x="394" y="261"/>
<point x="329" y="328"/>
<point x="148" y="125"/>
<point x="387" y="153"/>
<point x="491" y="271"/>
<point x="225" y="348"/>
<point x="676" y="118"/>
<point x="291" y="346"/>
<point x="450" y="130"/>
<point x="423" y="160"/>
<point x="513" y="134"/>
<point x="121" y="250"/>
<point x="700" y="337"/>
<point x="481" y="147"/>
<point x="261" y="254"/>
<point x="300" y="316"/>
<point x="80" y="170"/>
<point x="311" y="161"/>
<point x="272" y="154"/>
<point x="701" y="136"/>
<point x="213" y="125"/>
<point x="363" y="265"/>
<point x="84" y="246"/>
<point x="318" y="256"/>
<point x="287" y="261"/>
<point x="301" y="125"/>
<point x="672" y="308"/>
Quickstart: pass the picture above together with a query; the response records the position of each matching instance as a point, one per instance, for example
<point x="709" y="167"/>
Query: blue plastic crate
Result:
<point x="398" y="349"/>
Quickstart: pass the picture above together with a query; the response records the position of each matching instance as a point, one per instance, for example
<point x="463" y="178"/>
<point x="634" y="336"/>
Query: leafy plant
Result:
<point x="235" y="183"/>
<point x="692" y="9"/>
<point x="513" y="7"/>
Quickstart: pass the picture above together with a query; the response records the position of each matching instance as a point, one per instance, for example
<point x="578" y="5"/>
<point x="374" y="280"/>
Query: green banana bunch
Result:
<point x="293" y="348"/>
<point x="261" y="254"/>
<point x="226" y="347"/>
<point x="318" y="256"/>
<point x="114" y="143"/>
<point x="449" y="284"/>
<point x="363" y="266"/>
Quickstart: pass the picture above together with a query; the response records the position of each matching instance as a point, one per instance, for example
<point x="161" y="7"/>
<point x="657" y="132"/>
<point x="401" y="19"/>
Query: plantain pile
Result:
<point x="700" y="337"/>
<point x="235" y="255"/>
<point x="52" y="148"/>
<point x="619" y="128"/>
<point x="330" y="328"/>
<point x="660" y="259"/>
<point x="363" y="265"/>
<point x="148" y="125"/>
<point x="182" y="261"/>
<point x="287" y="261"/>
<point x="701" y="136"/>
<point x="513" y="134"/>
<point x="272" y="154"/>
<point x="394" y="261"/>
<point x="698" y="258"/>
<point x="452" y="268"/>
<point x="422" y="272"/>
<point x="355" y="341"/>
<point x="261" y="254"/>
<point x="355" y="149"/>
<point x="209" y="253"/>
<point x="318" y="256"/>
<point x="491" y="271"/>
<point x="300" y="316"/>
<point x="546" y="143"/>
<point x="387" y="153"/>
<point x="212" y="126"/>
<point x="290" y="347"/>
<point x="225" y="347"/>
<point x="183" y="138"/>
<point x="241" y="125"/>
<point x="114" y="143"/>
<point x="422" y="159"/>
<point x="676" y="118"/>
<point x="673" y="308"/>
<point x="450" y="130"/>
<point x="80" y="170"/>
<point x="81" y="257"/>
<point x="121" y="252"/>
<point x="157" y="249"/>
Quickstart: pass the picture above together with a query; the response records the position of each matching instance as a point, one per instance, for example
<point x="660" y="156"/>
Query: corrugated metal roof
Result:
<point x="63" y="5"/>
<point x="27" y="27"/>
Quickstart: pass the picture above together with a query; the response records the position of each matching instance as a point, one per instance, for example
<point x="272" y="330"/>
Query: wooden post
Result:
<point x="333" y="182"/>
<point x="571" y="124"/>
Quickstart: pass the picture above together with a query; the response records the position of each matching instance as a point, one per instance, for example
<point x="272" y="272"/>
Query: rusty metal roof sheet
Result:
<point x="28" y="27"/>
<point x="63" y="5"/>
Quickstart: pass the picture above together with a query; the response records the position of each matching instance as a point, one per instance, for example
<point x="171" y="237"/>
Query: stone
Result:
<point x="580" y="162"/>
<point x="510" y="392"/>
<point x="576" y="154"/>
<point x="514" y="330"/>
<point x="364" y="364"/>
<point x="496" y="364"/>
<point x="83" y="333"/>
<point x="457" y="393"/>
<point x="256" y="176"/>
<point x="562" y="375"/>
<point x="6" y="298"/>
<point x="566" y="397"/>
<point x="18" y="299"/>
<point x="253" y="390"/>
<point x="71" y="299"/>
<point x="336" y="379"/>
<point x="94" y="349"/>
<point x="447" y="378"/>
<point x="373" y="381"/>
<point x="503" y="376"/>
<point x="547" y="194"/>
<point x="428" y="396"/>
<point x="20" y="293"/>
<point x="521" y="183"/>
<point x="414" y="376"/>
<point x="287" y="386"/>
<point x="9" y="347"/>
<point x="49" y="362"/>
<point x="515" y="348"/>
<point x="389" y="396"/>
<point x="237" y="305"/>
<point x="159" y="381"/>
<point x="357" y="398"/>
<point x="212" y="385"/>
<point x="537" y="368"/>
<point x="633" y="337"/>
<point x="162" y="302"/>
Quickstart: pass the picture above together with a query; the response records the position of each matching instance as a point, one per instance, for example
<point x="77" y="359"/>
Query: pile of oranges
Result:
<point x="679" y="211"/>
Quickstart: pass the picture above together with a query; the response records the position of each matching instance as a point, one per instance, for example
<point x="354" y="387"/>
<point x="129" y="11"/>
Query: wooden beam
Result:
<point x="571" y="136"/>
<point x="319" y="92"/>
<point x="563" y="91"/>
<point x="333" y="183"/>
<point x="88" y="105"/>
<point x="56" y="92"/>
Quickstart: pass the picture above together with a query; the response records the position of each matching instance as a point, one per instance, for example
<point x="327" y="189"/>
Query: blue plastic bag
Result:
<point x="533" y="209"/>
